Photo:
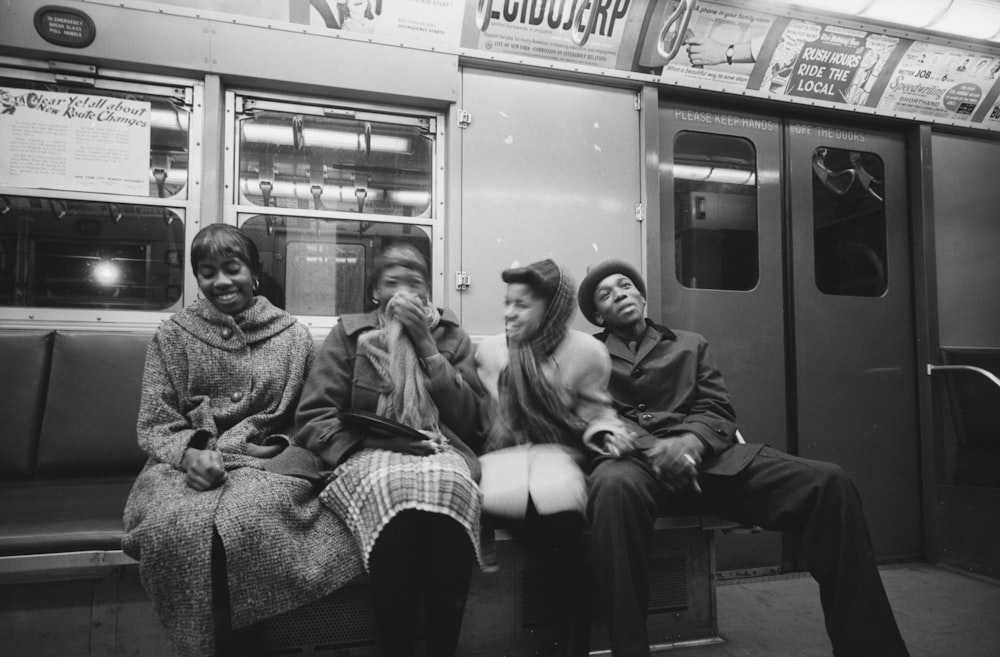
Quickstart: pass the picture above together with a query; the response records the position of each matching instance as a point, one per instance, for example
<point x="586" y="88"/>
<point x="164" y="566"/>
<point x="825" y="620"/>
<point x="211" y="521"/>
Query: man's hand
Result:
<point x="675" y="461"/>
<point x="409" y="310"/>
<point x="203" y="468"/>
<point x="705" y="52"/>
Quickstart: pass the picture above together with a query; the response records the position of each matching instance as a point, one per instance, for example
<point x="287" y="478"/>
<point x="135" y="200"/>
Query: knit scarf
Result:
<point x="391" y="353"/>
<point x="530" y="410"/>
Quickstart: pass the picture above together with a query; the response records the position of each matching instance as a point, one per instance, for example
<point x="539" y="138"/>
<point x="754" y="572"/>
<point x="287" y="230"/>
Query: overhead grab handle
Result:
<point x="931" y="369"/>
<point x="483" y="11"/>
<point x="361" y="192"/>
<point x="674" y="30"/>
<point x="580" y="32"/>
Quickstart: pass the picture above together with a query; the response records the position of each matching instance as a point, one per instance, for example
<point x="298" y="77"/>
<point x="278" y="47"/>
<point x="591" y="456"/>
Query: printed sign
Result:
<point x="940" y="82"/>
<point x="545" y="29"/>
<point x="702" y="57"/>
<point x="65" y="27"/>
<point x="827" y="63"/>
<point x="74" y="142"/>
<point x="437" y="21"/>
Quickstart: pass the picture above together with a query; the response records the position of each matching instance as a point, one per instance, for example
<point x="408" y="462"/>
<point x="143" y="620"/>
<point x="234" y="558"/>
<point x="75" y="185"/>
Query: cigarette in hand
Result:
<point x="694" y="466"/>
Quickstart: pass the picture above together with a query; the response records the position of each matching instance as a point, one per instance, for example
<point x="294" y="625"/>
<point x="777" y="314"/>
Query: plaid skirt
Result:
<point x="372" y="486"/>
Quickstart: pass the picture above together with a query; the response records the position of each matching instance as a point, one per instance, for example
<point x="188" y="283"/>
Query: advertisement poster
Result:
<point x="938" y="82"/>
<point x="435" y="21"/>
<point x="702" y="56"/>
<point x="827" y="63"/>
<point x="545" y="28"/>
<point x="74" y="142"/>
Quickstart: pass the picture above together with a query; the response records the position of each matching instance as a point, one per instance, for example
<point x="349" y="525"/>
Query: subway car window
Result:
<point x="345" y="164"/>
<point x="324" y="267"/>
<point x="715" y="210"/>
<point x="324" y="189"/>
<point x="89" y="254"/>
<point x="94" y="192"/>
<point x="849" y="227"/>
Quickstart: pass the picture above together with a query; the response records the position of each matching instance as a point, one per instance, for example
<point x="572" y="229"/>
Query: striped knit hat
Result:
<point x="556" y="287"/>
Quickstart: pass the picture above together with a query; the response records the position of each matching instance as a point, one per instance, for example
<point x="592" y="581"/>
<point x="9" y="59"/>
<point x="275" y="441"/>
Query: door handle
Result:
<point x="931" y="369"/>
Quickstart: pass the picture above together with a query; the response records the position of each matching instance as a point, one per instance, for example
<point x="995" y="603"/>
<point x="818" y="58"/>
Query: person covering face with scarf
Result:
<point x="549" y="412"/>
<point x="412" y="504"/>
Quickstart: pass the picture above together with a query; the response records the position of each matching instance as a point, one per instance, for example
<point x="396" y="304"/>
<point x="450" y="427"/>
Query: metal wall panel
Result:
<point x="549" y="170"/>
<point x="967" y="232"/>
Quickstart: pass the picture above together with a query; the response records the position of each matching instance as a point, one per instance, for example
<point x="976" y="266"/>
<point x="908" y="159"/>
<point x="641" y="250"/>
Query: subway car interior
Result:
<point x="812" y="186"/>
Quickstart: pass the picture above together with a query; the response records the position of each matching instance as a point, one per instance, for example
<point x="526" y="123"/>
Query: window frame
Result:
<point x="87" y="78"/>
<point x="236" y="213"/>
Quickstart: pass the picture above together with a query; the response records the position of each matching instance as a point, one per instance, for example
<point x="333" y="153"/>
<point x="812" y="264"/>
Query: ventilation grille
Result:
<point x="345" y="618"/>
<point x="669" y="582"/>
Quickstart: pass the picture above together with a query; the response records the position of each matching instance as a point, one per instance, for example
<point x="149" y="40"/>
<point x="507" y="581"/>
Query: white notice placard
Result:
<point x="76" y="142"/>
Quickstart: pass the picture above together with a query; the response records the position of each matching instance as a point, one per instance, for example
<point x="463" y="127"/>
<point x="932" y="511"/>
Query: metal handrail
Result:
<point x="931" y="369"/>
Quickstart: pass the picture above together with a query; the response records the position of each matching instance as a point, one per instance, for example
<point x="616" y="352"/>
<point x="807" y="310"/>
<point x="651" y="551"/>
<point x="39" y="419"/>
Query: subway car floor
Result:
<point x="941" y="613"/>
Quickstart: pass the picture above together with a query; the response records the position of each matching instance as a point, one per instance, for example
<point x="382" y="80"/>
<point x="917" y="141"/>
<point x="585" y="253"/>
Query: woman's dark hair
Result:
<point x="224" y="241"/>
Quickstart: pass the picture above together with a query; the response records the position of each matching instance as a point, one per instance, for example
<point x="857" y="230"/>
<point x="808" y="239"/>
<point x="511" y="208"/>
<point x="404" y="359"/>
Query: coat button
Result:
<point x="636" y="374"/>
<point x="641" y="408"/>
<point x="236" y="396"/>
<point x="226" y="333"/>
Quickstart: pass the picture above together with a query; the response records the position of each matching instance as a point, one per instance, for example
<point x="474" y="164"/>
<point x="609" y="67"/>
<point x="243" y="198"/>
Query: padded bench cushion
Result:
<point x="24" y="367"/>
<point x="62" y="515"/>
<point x="92" y="404"/>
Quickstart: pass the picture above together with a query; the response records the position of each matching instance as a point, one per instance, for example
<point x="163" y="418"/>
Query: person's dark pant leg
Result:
<point x="394" y="569"/>
<point x="622" y="509"/>
<point x="558" y="540"/>
<point x="818" y="501"/>
<point x="446" y="576"/>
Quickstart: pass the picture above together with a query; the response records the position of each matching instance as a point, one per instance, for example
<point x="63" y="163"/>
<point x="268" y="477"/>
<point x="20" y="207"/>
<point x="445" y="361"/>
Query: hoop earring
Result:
<point x="256" y="285"/>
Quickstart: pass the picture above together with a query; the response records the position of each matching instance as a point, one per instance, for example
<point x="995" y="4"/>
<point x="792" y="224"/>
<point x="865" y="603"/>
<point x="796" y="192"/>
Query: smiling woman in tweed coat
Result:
<point x="221" y="543"/>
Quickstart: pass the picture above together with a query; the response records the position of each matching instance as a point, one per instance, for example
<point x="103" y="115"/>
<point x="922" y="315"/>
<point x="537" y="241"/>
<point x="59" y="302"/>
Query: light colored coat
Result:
<point x="578" y="370"/>
<point x="232" y="381"/>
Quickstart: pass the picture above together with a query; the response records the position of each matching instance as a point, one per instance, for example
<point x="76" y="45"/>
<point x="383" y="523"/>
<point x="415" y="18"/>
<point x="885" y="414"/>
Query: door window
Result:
<point x="849" y="229"/>
<point x="715" y="211"/>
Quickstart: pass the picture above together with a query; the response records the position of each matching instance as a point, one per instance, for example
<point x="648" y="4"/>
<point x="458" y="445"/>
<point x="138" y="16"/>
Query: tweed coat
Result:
<point x="220" y="381"/>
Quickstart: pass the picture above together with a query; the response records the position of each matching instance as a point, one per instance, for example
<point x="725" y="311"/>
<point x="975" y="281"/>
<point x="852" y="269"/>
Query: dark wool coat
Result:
<point x="672" y="386"/>
<point x="228" y="380"/>
<point x="341" y="380"/>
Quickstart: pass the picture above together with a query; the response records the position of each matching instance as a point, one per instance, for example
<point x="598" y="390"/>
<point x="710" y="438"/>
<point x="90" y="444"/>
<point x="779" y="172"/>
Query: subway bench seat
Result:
<point x="68" y="458"/>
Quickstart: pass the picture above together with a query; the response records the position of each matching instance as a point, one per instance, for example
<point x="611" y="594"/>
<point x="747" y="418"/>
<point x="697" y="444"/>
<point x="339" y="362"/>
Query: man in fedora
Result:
<point x="667" y="389"/>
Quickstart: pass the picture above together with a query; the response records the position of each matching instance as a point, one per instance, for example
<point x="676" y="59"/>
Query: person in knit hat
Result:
<point x="412" y="503"/>
<point x="548" y="414"/>
<point x="669" y="392"/>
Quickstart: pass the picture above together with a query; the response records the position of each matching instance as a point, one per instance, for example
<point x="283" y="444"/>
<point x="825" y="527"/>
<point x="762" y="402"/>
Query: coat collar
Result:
<point x="655" y="333"/>
<point x="357" y="323"/>
<point x="257" y="323"/>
